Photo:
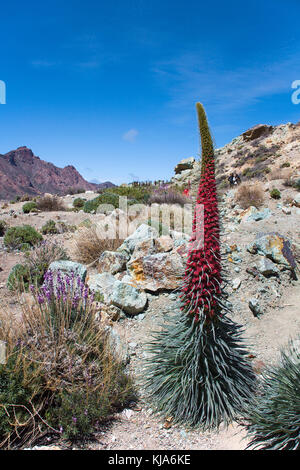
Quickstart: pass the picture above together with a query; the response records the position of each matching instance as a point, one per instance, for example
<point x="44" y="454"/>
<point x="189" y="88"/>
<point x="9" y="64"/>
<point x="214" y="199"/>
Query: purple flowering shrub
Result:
<point x="64" y="298"/>
<point x="165" y="194"/>
<point x="61" y="377"/>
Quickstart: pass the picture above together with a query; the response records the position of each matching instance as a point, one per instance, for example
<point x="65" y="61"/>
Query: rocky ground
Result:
<point x="263" y="289"/>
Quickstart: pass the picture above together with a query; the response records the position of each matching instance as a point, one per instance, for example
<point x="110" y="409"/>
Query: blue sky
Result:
<point x="110" y="87"/>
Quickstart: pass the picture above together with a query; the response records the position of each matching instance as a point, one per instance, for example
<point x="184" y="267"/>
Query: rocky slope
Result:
<point x="263" y="152"/>
<point x="21" y="172"/>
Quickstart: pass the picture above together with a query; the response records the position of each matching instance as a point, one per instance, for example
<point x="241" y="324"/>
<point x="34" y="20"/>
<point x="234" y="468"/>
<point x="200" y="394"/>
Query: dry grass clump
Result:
<point x="87" y="244"/>
<point x="50" y="203"/>
<point x="279" y="174"/>
<point x="250" y="195"/>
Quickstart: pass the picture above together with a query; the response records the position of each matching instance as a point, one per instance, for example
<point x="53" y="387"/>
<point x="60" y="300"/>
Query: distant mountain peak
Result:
<point x="22" y="172"/>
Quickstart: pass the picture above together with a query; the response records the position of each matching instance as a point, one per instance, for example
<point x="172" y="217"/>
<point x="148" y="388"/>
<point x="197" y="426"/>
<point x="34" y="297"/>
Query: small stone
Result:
<point x="236" y="283"/>
<point x="255" y="307"/>
<point x="267" y="268"/>
<point x="286" y="210"/>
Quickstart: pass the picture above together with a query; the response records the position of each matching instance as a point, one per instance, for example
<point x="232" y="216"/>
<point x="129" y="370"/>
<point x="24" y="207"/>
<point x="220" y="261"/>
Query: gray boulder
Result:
<point x="142" y="232"/>
<point x="128" y="298"/>
<point x="112" y="262"/>
<point x="67" y="267"/>
<point x="125" y="296"/>
<point x="268" y="268"/>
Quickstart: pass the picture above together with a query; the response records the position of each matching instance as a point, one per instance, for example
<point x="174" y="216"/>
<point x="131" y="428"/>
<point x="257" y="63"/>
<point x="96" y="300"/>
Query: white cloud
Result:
<point x="130" y="135"/>
<point x="192" y="77"/>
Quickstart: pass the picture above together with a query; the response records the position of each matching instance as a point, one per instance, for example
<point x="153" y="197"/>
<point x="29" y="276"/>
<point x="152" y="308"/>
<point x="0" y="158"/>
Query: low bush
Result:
<point x="166" y="195"/>
<point x="21" y="237"/>
<point x="50" y="203"/>
<point x="273" y="417"/>
<point x="92" y="205"/>
<point x="88" y="245"/>
<point x="73" y="191"/>
<point x="61" y="378"/>
<point x="78" y="203"/>
<point x="28" y="207"/>
<point x="25" y="198"/>
<point x="292" y="183"/>
<point x="275" y="193"/>
<point x="285" y="165"/>
<point x="138" y="193"/>
<point x="249" y="195"/>
<point x="36" y="263"/>
<point x="39" y="259"/>
<point x="49" y="228"/>
<point x="19" y="278"/>
<point x="3" y="227"/>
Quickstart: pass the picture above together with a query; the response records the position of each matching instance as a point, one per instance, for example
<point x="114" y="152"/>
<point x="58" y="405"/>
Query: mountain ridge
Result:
<point x="22" y="172"/>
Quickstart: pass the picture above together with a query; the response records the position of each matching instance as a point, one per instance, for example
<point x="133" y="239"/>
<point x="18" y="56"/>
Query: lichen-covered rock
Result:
<point x="157" y="272"/>
<point x="67" y="267"/>
<point x="142" y="232"/>
<point x="102" y="283"/>
<point x="179" y="238"/>
<point x="144" y="248"/>
<point x="275" y="247"/>
<point x="163" y="244"/>
<point x="128" y="298"/>
<point x="112" y="262"/>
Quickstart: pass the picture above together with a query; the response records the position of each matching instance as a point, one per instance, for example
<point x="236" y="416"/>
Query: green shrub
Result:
<point x="28" y="207"/>
<point x="273" y="417"/>
<point x="275" y="193"/>
<point x="39" y="259"/>
<point x="73" y="191"/>
<point x="139" y="193"/>
<point x="36" y="263"/>
<point x="61" y="377"/>
<point x="3" y="227"/>
<point x="78" y="203"/>
<point x="92" y="205"/>
<point x="13" y="390"/>
<point x="285" y="165"/>
<point x="19" y="278"/>
<point x="21" y="237"/>
<point x="49" y="227"/>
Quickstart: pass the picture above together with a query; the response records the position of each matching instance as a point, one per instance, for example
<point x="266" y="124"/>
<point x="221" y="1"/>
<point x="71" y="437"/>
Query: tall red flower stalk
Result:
<point x="197" y="371"/>
<point x="202" y="280"/>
